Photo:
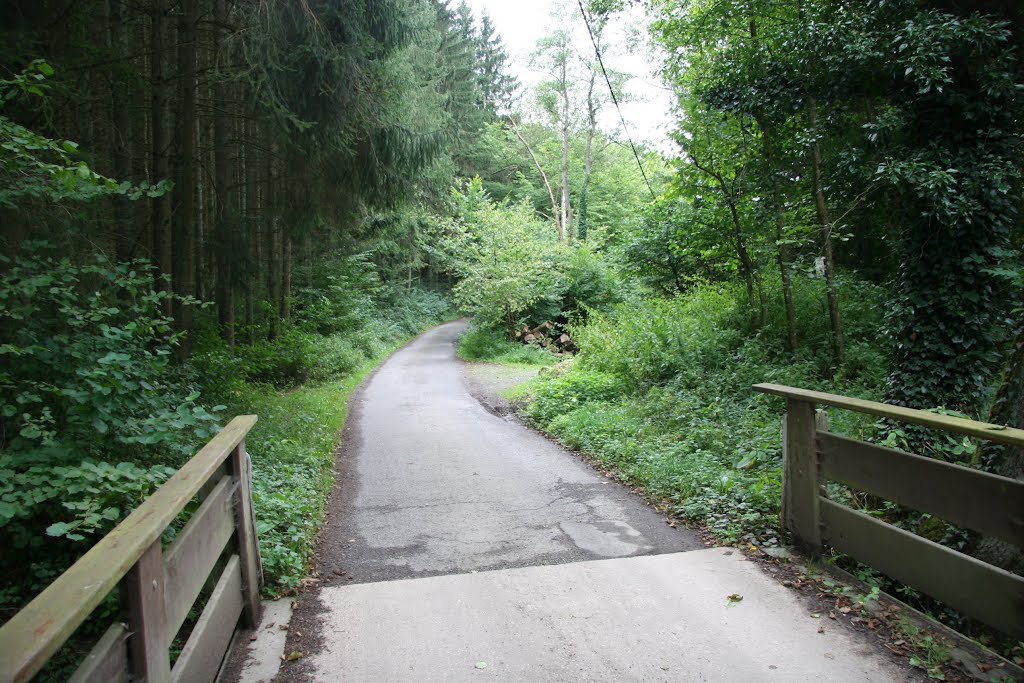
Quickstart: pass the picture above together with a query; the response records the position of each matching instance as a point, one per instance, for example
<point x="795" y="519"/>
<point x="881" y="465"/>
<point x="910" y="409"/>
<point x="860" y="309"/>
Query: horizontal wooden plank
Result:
<point x="976" y="500"/>
<point x="980" y="590"/>
<point x="32" y="635"/>
<point x="107" y="661"/>
<point x="948" y="423"/>
<point x="193" y="554"/>
<point x="200" y="659"/>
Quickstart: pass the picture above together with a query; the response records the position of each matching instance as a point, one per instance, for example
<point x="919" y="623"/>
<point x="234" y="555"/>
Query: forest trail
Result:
<point x="461" y="545"/>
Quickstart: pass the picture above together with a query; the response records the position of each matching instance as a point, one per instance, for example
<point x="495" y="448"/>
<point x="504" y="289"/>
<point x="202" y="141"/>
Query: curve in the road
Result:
<point x="432" y="483"/>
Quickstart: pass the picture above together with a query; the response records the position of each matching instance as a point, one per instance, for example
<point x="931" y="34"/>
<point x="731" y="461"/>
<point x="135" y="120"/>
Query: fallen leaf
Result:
<point x="481" y="665"/>
<point x="734" y="598"/>
<point x="844" y="610"/>
<point x="815" y="616"/>
<point x="294" y="655"/>
<point x="283" y="627"/>
<point x="983" y="667"/>
<point x="252" y="638"/>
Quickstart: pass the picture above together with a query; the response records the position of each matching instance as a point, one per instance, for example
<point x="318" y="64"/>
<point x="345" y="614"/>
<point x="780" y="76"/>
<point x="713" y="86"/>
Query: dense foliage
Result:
<point x="213" y="207"/>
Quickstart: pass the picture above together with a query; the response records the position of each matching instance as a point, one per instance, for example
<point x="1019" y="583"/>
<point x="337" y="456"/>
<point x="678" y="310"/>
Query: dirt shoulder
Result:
<point x="488" y="382"/>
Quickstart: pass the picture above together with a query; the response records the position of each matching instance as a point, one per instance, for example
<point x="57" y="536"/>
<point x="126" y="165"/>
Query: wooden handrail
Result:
<point x="948" y="423"/>
<point x="35" y="633"/>
<point x="987" y="503"/>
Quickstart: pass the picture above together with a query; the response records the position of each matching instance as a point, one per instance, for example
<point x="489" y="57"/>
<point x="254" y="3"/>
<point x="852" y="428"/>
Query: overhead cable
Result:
<point x="611" y="91"/>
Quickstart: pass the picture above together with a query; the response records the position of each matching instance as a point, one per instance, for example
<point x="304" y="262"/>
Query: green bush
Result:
<point x="661" y="392"/>
<point x="85" y="364"/>
<point x="572" y="390"/>
<point x="650" y="341"/>
<point x="488" y="344"/>
<point x="51" y="514"/>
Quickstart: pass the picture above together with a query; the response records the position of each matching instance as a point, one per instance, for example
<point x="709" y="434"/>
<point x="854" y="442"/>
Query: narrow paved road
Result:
<point x="461" y="546"/>
<point x="433" y="483"/>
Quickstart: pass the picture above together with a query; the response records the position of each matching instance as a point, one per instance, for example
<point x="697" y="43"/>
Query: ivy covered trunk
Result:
<point x="1003" y="459"/>
<point x="955" y="167"/>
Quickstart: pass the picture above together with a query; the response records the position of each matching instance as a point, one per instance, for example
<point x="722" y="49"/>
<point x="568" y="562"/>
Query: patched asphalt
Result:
<point x="433" y="482"/>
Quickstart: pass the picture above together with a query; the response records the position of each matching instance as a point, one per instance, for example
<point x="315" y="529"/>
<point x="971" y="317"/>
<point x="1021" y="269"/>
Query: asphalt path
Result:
<point x="431" y="482"/>
<point x="462" y="546"/>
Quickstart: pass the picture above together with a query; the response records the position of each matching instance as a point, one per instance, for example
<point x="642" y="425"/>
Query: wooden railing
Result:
<point x="979" y="501"/>
<point x="158" y="586"/>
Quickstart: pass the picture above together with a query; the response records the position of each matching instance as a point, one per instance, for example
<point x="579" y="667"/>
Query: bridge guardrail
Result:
<point x="983" y="502"/>
<point x="158" y="586"/>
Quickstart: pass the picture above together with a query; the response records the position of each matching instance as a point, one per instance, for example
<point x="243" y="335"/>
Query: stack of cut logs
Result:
<point x="546" y="336"/>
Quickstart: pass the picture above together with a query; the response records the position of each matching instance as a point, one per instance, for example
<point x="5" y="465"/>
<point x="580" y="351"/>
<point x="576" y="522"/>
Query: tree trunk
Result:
<point x="224" y="182"/>
<point x="183" y="236"/>
<point x="583" y="222"/>
<point x="286" y="278"/>
<point x="838" y="336"/>
<point x="782" y="253"/>
<point x="121" y="133"/>
<point x="160" y="207"/>
<point x="544" y="176"/>
<point x="1003" y="459"/>
<point x="566" y="232"/>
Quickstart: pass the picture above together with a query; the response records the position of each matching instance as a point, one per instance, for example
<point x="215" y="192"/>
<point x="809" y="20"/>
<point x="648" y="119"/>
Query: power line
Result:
<point x="611" y="91"/>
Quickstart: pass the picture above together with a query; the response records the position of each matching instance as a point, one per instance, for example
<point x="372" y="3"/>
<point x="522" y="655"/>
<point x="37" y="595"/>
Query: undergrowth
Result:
<point x="661" y="392"/>
<point x="485" y="344"/>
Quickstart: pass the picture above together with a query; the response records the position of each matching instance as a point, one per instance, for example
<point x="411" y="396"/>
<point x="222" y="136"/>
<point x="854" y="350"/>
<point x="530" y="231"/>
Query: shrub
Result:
<point x="51" y="514"/>
<point x="85" y="363"/>
<point x="485" y="344"/>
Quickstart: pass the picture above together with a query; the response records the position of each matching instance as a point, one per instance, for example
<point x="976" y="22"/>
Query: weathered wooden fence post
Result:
<point x="143" y="591"/>
<point x="248" y="544"/>
<point x="800" y="475"/>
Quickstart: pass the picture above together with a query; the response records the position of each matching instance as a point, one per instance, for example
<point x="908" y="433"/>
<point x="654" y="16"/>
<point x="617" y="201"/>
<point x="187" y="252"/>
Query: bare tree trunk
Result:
<point x="838" y="337"/>
<point x="583" y="220"/>
<point x="751" y="277"/>
<point x="250" y="161"/>
<point x="544" y="176"/>
<point x="121" y="132"/>
<point x="183" y="236"/>
<point x="224" y="182"/>
<point x="160" y="207"/>
<point x="286" y="278"/>
<point x="273" y="247"/>
<point x="566" y="232"/>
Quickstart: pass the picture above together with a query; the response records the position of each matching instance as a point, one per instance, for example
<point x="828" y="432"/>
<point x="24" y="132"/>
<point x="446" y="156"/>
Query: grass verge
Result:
<point x="293" y="450"/>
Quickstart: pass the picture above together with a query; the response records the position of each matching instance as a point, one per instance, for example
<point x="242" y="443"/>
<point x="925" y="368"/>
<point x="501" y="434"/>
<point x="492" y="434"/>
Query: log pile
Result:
<point x="547" y="336"/>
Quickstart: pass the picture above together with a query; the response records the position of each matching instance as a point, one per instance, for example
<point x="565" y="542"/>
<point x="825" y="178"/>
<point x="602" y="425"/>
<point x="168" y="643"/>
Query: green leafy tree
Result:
<point x="506" y="259"/>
